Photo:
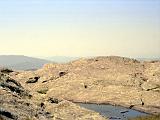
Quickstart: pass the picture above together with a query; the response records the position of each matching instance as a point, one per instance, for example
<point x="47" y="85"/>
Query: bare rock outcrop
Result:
<point x="115" y="80"/>
<point x="17" y="103"/>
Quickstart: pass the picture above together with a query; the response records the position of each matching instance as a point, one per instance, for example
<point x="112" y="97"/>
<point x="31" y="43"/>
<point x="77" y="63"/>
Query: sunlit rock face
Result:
<point x="17" y="103"/>
<point x="115" y="80"/>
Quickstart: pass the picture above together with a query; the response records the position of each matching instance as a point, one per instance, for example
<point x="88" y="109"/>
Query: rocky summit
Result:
<point x="48" y="93"/>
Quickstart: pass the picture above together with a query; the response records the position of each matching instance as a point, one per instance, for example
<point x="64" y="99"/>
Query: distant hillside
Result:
<point x="61" y="59"/>
<point x="20" y="62"/>
<point x="148" y="59"/>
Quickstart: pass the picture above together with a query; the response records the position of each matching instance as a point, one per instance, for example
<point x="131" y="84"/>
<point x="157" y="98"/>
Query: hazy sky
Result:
<point x="80" y="27"/>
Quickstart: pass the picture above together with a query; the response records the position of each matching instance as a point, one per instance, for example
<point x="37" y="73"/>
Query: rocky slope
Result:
<point x="17" y="103"/>
<point x="115" y="80"/>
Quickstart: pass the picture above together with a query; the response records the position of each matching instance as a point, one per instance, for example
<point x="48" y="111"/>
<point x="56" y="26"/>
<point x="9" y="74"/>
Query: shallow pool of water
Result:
<point x="113" y="112"/>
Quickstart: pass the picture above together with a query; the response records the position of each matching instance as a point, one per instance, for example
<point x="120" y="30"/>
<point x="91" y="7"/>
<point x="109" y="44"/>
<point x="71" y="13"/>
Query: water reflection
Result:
<point x="113" y="112"/>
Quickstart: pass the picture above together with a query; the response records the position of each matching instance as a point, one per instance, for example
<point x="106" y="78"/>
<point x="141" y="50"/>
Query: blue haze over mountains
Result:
<point x="21" y="62"/>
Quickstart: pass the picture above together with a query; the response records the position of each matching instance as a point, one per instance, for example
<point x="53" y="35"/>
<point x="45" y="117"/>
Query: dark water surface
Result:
<point x="113" y="112"/>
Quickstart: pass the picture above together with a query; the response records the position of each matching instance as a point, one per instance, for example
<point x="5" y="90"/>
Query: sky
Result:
<point x="128" y="28"/>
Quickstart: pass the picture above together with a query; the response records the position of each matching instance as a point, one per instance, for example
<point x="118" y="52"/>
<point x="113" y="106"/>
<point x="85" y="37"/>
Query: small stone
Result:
<point x="62" y="73"/>
<point x="33" y="80"/>
<point x="148" y="86"/>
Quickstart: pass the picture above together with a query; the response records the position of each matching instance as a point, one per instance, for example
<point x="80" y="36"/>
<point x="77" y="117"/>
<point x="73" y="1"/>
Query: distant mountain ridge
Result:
<point x="62" y="59"/>
<point x="148" y="59"/>
<point x="20" y="62"/>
